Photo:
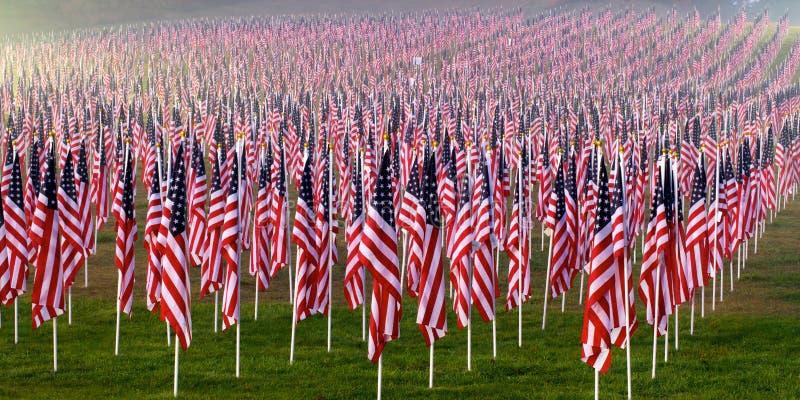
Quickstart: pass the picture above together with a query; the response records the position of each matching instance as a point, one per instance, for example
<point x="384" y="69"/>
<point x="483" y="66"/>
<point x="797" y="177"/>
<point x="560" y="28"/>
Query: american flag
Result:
<point x="176" y="305"/>
<point x="197" y="207"/>
<point x="48" y="283"/>
<point x="561" y="272"/>
<point x="303" y="237"/>
<point x="653" y="268"/>
<point x="69" y="224"/>
<point x="432" y="312"/>
<point x="696" y="230"/>
<point x="126" y="237"/>
<point x="354" y="270"/>
<point x="211" y="271"/>
<point x="16" y="237"/>
<point x="484" y="275"/>
<point x="378" y="251"/>
<point x="100" y="181"/>
<point x="231" y="228"/>
<point x="324" y="233"/>
<point x="84" y="201"/>
<point x="412" y="219"/>
<point x="600" y="314"/>
<point x="31" y="195"/>
<point x="152" y="223"/>
<point x="279" y="219"/>
<point x="461" y="256"/>
<point x="623" y="270"/>
<point x="716" y="224"/>
<point x="259" y="261"/>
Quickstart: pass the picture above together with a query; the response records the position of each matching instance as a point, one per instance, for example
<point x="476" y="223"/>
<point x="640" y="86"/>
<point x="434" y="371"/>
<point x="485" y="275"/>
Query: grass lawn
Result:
<point x="747" y="348"/>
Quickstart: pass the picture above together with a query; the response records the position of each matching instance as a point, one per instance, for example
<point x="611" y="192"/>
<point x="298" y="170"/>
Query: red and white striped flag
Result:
<point x="461" y="256"/>
<point x="211" y="272"/>
<point x="378" y="251"/>
<point x="259" y="260"/>
<point x="354" y="270"/>
<point x="197" y="208"/>
<point x="16" y="238"/>
<point x="303" y="237"/>
<point x="599" y="314"/>
<point x="126" y="237"/>
<point x="231" y="229"/>
<point x="176" y="307"/>
<point x="484" y="274"/>
<point x="432" y="312"/>
<point x="69" y="224"/>
<point x="48" y="283"/>
<point x="152" y="223"/>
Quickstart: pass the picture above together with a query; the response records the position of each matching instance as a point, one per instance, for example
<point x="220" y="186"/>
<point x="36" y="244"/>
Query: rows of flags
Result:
<point x="459" y="162"/>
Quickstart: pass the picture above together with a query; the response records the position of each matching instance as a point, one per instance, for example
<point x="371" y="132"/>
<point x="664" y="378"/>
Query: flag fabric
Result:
<point x="231" y="248"/>
<point x="31" y="198"/>
<point x="69" y="224"/>
<point x="279" y="219"/>
<point x="48" y="282"/>
<point x="561" y="272"/>
<point x="211" y="271"/>
<point x="152" y="223"/>
<point x="412" y="219"/>
<point x="378" y="252"/>
<point x="197" y="208"/>
<point x="354" y="270"/>
<point x="84" y="201"/>
<point x="653" y="279"/>
<point x="484" y="274"/>
<point x="696" y="231"/>
<point x="303" y="236"/>
<point x="15" y="223"/>
<point x="126" y="237"/>
<point x="599" y="313"/>
<point x="259" y="260"/>
<point x="461" y="256"/>
<point x="176" y="305"/>
<point x="432" y="312"/>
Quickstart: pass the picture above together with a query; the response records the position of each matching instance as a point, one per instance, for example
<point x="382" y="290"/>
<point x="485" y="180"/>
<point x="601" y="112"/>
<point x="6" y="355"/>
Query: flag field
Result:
<point x="747" y="348"/>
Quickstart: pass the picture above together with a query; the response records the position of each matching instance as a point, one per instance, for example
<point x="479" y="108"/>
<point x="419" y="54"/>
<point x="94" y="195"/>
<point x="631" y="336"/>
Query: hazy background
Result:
<point x="45" y="15"/>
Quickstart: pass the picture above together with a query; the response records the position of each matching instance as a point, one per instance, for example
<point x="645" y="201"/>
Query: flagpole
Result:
<point x="380" y="375"/>
<point x="255" y="307"/>
<point x="116" y="335"/>
<point x="294" y="312"/>
<point x="430" y="368"/>
<point x="175" y="370"/>
<point x="69" y="313"/>
<point x="55" y="345"/>
<point x="216" y="313"/>
<point x="596" y="384"/>
<point x="16" y="320"/>
<point x="656" y="319"/>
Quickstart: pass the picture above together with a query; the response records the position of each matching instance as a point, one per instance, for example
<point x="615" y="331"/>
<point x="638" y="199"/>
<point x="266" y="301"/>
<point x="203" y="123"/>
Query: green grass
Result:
<point x="747" y="348"/>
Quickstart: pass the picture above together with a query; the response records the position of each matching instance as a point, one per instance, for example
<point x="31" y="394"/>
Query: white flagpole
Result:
<point x="596" y="385"/>
<point x="169" y="334"/>
<point x="380" y="375"/>
<point x="16" y="321"/>
<point x="430" y="367"/>
<point x="86" y="267"/>
<point x="216" y="312"/>
<point x="175" y="370"/>
<point x="519" y="267"/>
<point x="294" y="310"/>
<point x="55" y="346"/>
<point x="255" y="307"/>
<point x="69" y="313"/>
<point x="239" y="150"/>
